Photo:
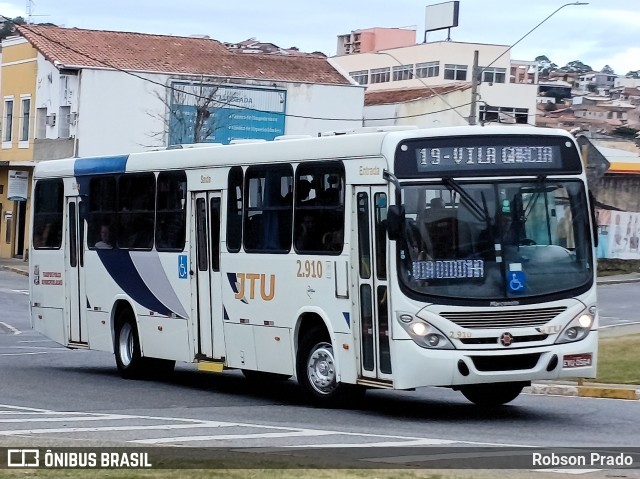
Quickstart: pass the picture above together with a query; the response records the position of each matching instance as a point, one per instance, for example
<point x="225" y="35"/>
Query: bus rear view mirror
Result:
<point x="395" y="222"/>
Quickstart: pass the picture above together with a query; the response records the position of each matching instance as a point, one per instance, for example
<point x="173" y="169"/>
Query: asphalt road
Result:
<point x="48" y="393"/>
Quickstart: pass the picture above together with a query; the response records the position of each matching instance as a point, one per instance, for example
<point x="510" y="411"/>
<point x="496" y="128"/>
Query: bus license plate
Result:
<point x="576" y="360"/>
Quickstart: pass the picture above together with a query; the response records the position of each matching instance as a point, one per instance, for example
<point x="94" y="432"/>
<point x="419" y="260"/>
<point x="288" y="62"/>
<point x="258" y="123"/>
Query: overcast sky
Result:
<point x="602" y="32"/>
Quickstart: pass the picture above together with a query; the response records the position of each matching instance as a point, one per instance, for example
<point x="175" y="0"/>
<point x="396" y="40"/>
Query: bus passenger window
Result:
<point x="47" y="216"/>
<point x="171" y="211"/>
<point x="234" y="209"/>
<point x="268" y="209"/>
<point x="319" y="208"/>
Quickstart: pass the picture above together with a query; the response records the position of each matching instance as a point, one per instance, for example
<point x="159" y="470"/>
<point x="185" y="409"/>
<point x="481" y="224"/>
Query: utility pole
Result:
<point x="474" y="89"/>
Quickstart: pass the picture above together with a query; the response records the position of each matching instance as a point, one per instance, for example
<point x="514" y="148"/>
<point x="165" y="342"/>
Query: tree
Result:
<point x="633" y="74"/>
<point x="193" y="111"/>
<point x="9" y="27"/>
<point x="625" y="132"/>
<point x="545" y="66"/>
<point x="608" y="70"/>
<point x="576" y="66"/>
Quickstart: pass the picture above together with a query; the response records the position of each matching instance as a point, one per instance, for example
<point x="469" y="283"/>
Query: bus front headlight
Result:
<point x="424" y="334"/>
<point x="577" y="329"/>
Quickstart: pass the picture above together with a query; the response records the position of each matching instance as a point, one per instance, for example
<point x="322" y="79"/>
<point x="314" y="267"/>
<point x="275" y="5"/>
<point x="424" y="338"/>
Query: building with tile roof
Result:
<point x="95" y="93"/>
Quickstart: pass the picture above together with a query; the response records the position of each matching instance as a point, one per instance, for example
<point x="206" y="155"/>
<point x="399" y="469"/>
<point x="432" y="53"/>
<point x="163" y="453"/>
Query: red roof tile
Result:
<point x="383" y="97"/>
<point x="74" y="47"/>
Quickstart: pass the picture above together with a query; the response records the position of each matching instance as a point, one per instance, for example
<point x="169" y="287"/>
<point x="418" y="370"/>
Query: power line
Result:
<point x="224" y="103"/>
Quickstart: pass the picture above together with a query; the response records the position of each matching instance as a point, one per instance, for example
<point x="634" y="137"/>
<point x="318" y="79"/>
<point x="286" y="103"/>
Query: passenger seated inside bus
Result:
<point x="105" y="238"/>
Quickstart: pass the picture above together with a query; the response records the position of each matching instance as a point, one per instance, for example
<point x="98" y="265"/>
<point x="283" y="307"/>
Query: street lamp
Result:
<point x="426" y="85"/>
<point x="477" y="73"/>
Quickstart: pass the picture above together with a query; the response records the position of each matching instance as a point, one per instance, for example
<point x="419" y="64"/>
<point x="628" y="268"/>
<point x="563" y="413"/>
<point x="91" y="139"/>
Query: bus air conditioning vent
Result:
<point x="513" y="318"/>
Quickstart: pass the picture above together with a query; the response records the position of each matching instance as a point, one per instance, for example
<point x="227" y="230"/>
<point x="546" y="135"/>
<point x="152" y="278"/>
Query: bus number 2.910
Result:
<point x="309" y="269"/>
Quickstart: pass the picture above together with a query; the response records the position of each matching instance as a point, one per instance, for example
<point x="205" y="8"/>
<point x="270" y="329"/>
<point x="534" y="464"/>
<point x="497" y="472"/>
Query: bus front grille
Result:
<point x="518" y="318"/>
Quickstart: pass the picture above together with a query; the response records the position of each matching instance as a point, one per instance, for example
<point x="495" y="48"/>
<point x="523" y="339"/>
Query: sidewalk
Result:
<point x="552" y="388"/>
<point x="17" y="265"/>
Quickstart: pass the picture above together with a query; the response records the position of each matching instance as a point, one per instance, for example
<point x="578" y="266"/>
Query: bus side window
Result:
<point x="47" y="216"/>
<point x="319" y="208"/>
<point x="234" y="209"/>
<point x="268" y="209"/>
<point x="102" y="211"/>
<point x="171" y="214"/>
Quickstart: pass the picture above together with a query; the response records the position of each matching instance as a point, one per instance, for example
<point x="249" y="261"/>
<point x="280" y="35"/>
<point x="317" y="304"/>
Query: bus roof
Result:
<point x="340" y="146"/>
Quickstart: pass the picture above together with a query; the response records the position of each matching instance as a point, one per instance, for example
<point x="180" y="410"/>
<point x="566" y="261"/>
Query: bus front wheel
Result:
<point x="317" y="374"/>
<point x="492" y="395"/>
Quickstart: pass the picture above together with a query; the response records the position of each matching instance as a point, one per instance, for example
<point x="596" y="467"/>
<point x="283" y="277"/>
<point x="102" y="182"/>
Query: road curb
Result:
<point x="15" y="270"/>
<point x="609" y="392"/>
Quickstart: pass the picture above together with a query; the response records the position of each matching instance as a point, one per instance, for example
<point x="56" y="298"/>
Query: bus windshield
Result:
<point x="495" y="240"/>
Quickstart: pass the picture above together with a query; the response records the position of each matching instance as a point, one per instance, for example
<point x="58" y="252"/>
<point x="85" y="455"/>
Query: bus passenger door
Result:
<point x="75" y="301"/>
<point x="206" y="241"/>
<point x="369" y="251"/>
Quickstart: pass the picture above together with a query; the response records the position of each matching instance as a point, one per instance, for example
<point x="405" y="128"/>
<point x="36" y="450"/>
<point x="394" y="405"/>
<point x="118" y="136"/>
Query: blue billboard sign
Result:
<point x="207" y="113"/>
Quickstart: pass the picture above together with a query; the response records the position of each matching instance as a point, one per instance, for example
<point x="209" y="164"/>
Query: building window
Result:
<point x="41" y="123"/>
<point x="380" y="75"/>
<point x="403" y="72"/>
<point x="64" y="129"/>
<point x="493" y="75"/>
<point x="26" y="115"/>
<point x="361" y="77"/>
<point x="503" y="114"/>
<point x="8" y="120"/>
<point x="427" y="69"/>
<point x="455" y="72"/>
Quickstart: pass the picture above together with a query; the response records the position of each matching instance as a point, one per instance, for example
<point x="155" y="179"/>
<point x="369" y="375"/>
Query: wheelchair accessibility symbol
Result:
<point x="517" y="281"/>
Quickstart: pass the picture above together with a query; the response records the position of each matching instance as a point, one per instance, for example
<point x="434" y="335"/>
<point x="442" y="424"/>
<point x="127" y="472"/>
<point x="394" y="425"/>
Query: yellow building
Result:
<point x="17" y="90"/>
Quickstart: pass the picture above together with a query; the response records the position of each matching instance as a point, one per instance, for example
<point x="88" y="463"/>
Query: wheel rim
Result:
<point x="321" y="369"/>
<point x="125" y="344"/>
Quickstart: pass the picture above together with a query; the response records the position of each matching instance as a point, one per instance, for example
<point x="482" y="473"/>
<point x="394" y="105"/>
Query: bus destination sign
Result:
<point x="486" y="156"/>
<point x="451" y="158"/>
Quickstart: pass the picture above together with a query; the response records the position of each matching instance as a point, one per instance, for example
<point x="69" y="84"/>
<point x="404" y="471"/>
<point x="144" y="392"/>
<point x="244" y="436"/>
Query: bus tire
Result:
<point x="317" y="375"/>
<point x="129" y="358"/>
<point x="492" y="395"/>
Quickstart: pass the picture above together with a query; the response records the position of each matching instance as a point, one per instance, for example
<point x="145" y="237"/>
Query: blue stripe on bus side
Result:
<point x="100" y="165"/>
<point x="120" y="266"/>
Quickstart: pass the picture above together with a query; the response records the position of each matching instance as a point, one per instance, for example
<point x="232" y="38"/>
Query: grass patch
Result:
<point x="619" y="360"/>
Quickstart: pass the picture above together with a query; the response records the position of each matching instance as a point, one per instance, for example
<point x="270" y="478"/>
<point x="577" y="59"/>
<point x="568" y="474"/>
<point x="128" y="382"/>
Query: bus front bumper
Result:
<point x="416" y="367"/>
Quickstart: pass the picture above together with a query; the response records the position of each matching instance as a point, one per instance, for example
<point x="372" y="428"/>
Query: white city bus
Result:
<point x="456" y="257"/>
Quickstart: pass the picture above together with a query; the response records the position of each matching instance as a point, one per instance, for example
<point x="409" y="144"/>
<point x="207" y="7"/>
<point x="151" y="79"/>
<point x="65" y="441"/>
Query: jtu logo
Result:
<point x="246" y="283"/>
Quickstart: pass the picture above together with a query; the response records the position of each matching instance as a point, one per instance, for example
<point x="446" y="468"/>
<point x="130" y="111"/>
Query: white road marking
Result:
<point x="106" y="417"/>
<point x="20" y="432"/>
<point x="409" y="443"/>
<point x="33" y="353"/>
<point x="223" y="437"/>
<point x="10" y="328"/>
<point x="626" y="323"/>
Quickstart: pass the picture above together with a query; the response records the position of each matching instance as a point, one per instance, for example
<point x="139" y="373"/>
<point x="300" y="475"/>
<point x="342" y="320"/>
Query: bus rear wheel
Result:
<point x="129" y="359"/>
<point x="317" y="374"/>
<point x="492" y="395"/>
